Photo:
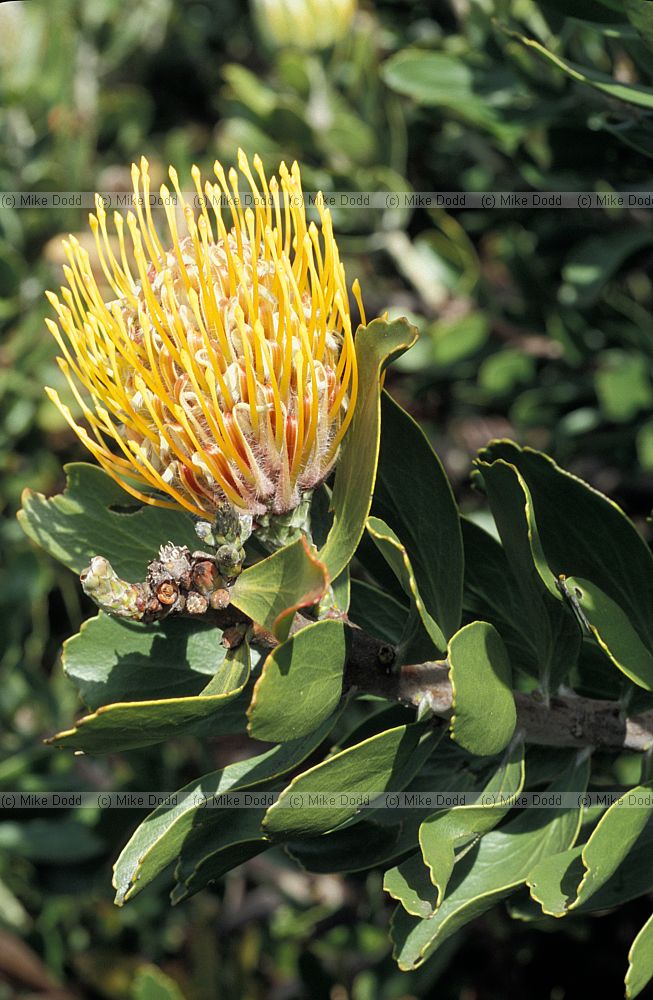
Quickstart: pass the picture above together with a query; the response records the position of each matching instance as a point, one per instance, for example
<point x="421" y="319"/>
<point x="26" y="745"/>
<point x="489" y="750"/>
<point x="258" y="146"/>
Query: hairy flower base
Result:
<point x="225" y="367"/>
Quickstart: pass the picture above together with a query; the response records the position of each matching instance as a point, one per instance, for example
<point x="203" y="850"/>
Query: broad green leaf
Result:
<point x="410" y="884"/>
<point x="555" y="636"/>
<point x="566" y="882"/>
<point x="554" y="881"/>
<point x="484" y="714"/>
<point x="212" y="848"/>
<point x="57" y="841"/>
<point x="152" y="984"/>
<point x="592" y="262"/>
<point x="623" y="384"/>
<point x="491" y="871"/>
<point x="360" y="845"/>
<point x="437" y="79"/>
<point x="395" y="554"/>
<point x="419" y="882"/>
<point x="355" y="848"/>
<point x="632" y="878"/>
<point x="127" y="725"/>
<point x="94" y="516"/>
<point x="330" y="793"/>
<point x="377" y="344"/>
<point x="160" y="837"/>
<point x="445" y="832"/>
<point x="636" y="94"/>
<point x="113" y="660"/>
<point x="377" y="612"/>
<point x="583" y="534"/>
<point x="271" y="591"/>
<point x="431" y="78"/>
<point x="491" y="594"/>
<point x="613" y="631"/>
<point x="640" y="15"/>
<point x="300" y="684"/>
<point x="640" y="961"/>
<point x="414" y="498"/>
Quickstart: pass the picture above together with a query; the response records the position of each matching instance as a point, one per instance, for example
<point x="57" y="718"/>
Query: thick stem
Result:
<point x="181" y="583"/>
<point x="566" y="721"/>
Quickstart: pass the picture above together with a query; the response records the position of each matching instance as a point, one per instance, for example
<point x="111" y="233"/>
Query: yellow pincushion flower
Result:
<point x="224" y="368"/>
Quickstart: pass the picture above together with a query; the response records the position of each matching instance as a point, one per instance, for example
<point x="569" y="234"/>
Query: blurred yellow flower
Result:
<point x="224" y="368"/>
<point x="304" y="24"/>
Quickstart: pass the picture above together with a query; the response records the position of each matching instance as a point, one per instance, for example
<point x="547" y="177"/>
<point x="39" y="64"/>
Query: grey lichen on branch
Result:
<point x="178" y="581"/>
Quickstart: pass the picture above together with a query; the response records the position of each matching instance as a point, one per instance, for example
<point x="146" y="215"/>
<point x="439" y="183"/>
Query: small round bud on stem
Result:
<point x="167" y="592"/>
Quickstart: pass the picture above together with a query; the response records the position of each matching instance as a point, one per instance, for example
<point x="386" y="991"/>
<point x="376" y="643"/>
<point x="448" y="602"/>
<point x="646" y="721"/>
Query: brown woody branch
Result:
<point x="192" y="585"/>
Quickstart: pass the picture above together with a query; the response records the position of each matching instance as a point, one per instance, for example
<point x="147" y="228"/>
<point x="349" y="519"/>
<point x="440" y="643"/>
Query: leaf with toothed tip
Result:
<point x="272" y="590"/>
<point x="94" y="516"/>
<point x="640" y="961"/>
<point x="567" y="881"/>
<point x="111" y="660"/>
<point x="160" y="838"/>
<point x="492" y="870"/>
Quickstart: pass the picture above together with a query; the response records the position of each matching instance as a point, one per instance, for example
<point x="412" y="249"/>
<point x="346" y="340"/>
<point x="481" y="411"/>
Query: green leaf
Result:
<point x="112" y="660"/>
<point x="152" y="984"/>
<point x="413" y="496"/>
<point x="127" y="725"/>
<point x="420" y="881"/>
<point x="410" y="884"/>
<point x="228" y="838"/>
<point x="377" y="612"/>
<point x="272" y="590"/>
<point x="60" y="841"/>
<point x="430" y="78"/>
<point x="484" y="714"/>
<point x="633" y="877"/>
<point x="592" y="262"/>
<point x="623" y="385"/>
<point x="567" y="881"/>
<point x="451" y="829"/>
<point x="583" y="534"/>
<point x="330" y="793"/>
<point x="437" y="79"/>
<point x="490" y="871"/>
<point x="613" y="631"/>
<point x="636" y="94"/>
<point x="353" y="849"/>
<point x="491" y="594"/>
<point x="397" y="558"/>
<point x="555" y="636"/>
<point x="94" y="516"/>
<point x="159" y="839"/>
<point x="377" y="344"/>
<point x="640" y="15"/>
<point x="300" y="684"/>
<point x="640" y="961"/>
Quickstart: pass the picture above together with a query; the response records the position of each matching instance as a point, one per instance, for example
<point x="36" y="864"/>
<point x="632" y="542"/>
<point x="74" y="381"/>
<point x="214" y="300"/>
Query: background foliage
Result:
<point x="536" y="325"/>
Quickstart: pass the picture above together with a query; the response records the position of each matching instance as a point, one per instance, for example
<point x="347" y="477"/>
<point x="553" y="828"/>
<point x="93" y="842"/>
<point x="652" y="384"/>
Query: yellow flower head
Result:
<point x="224" y="368"/>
